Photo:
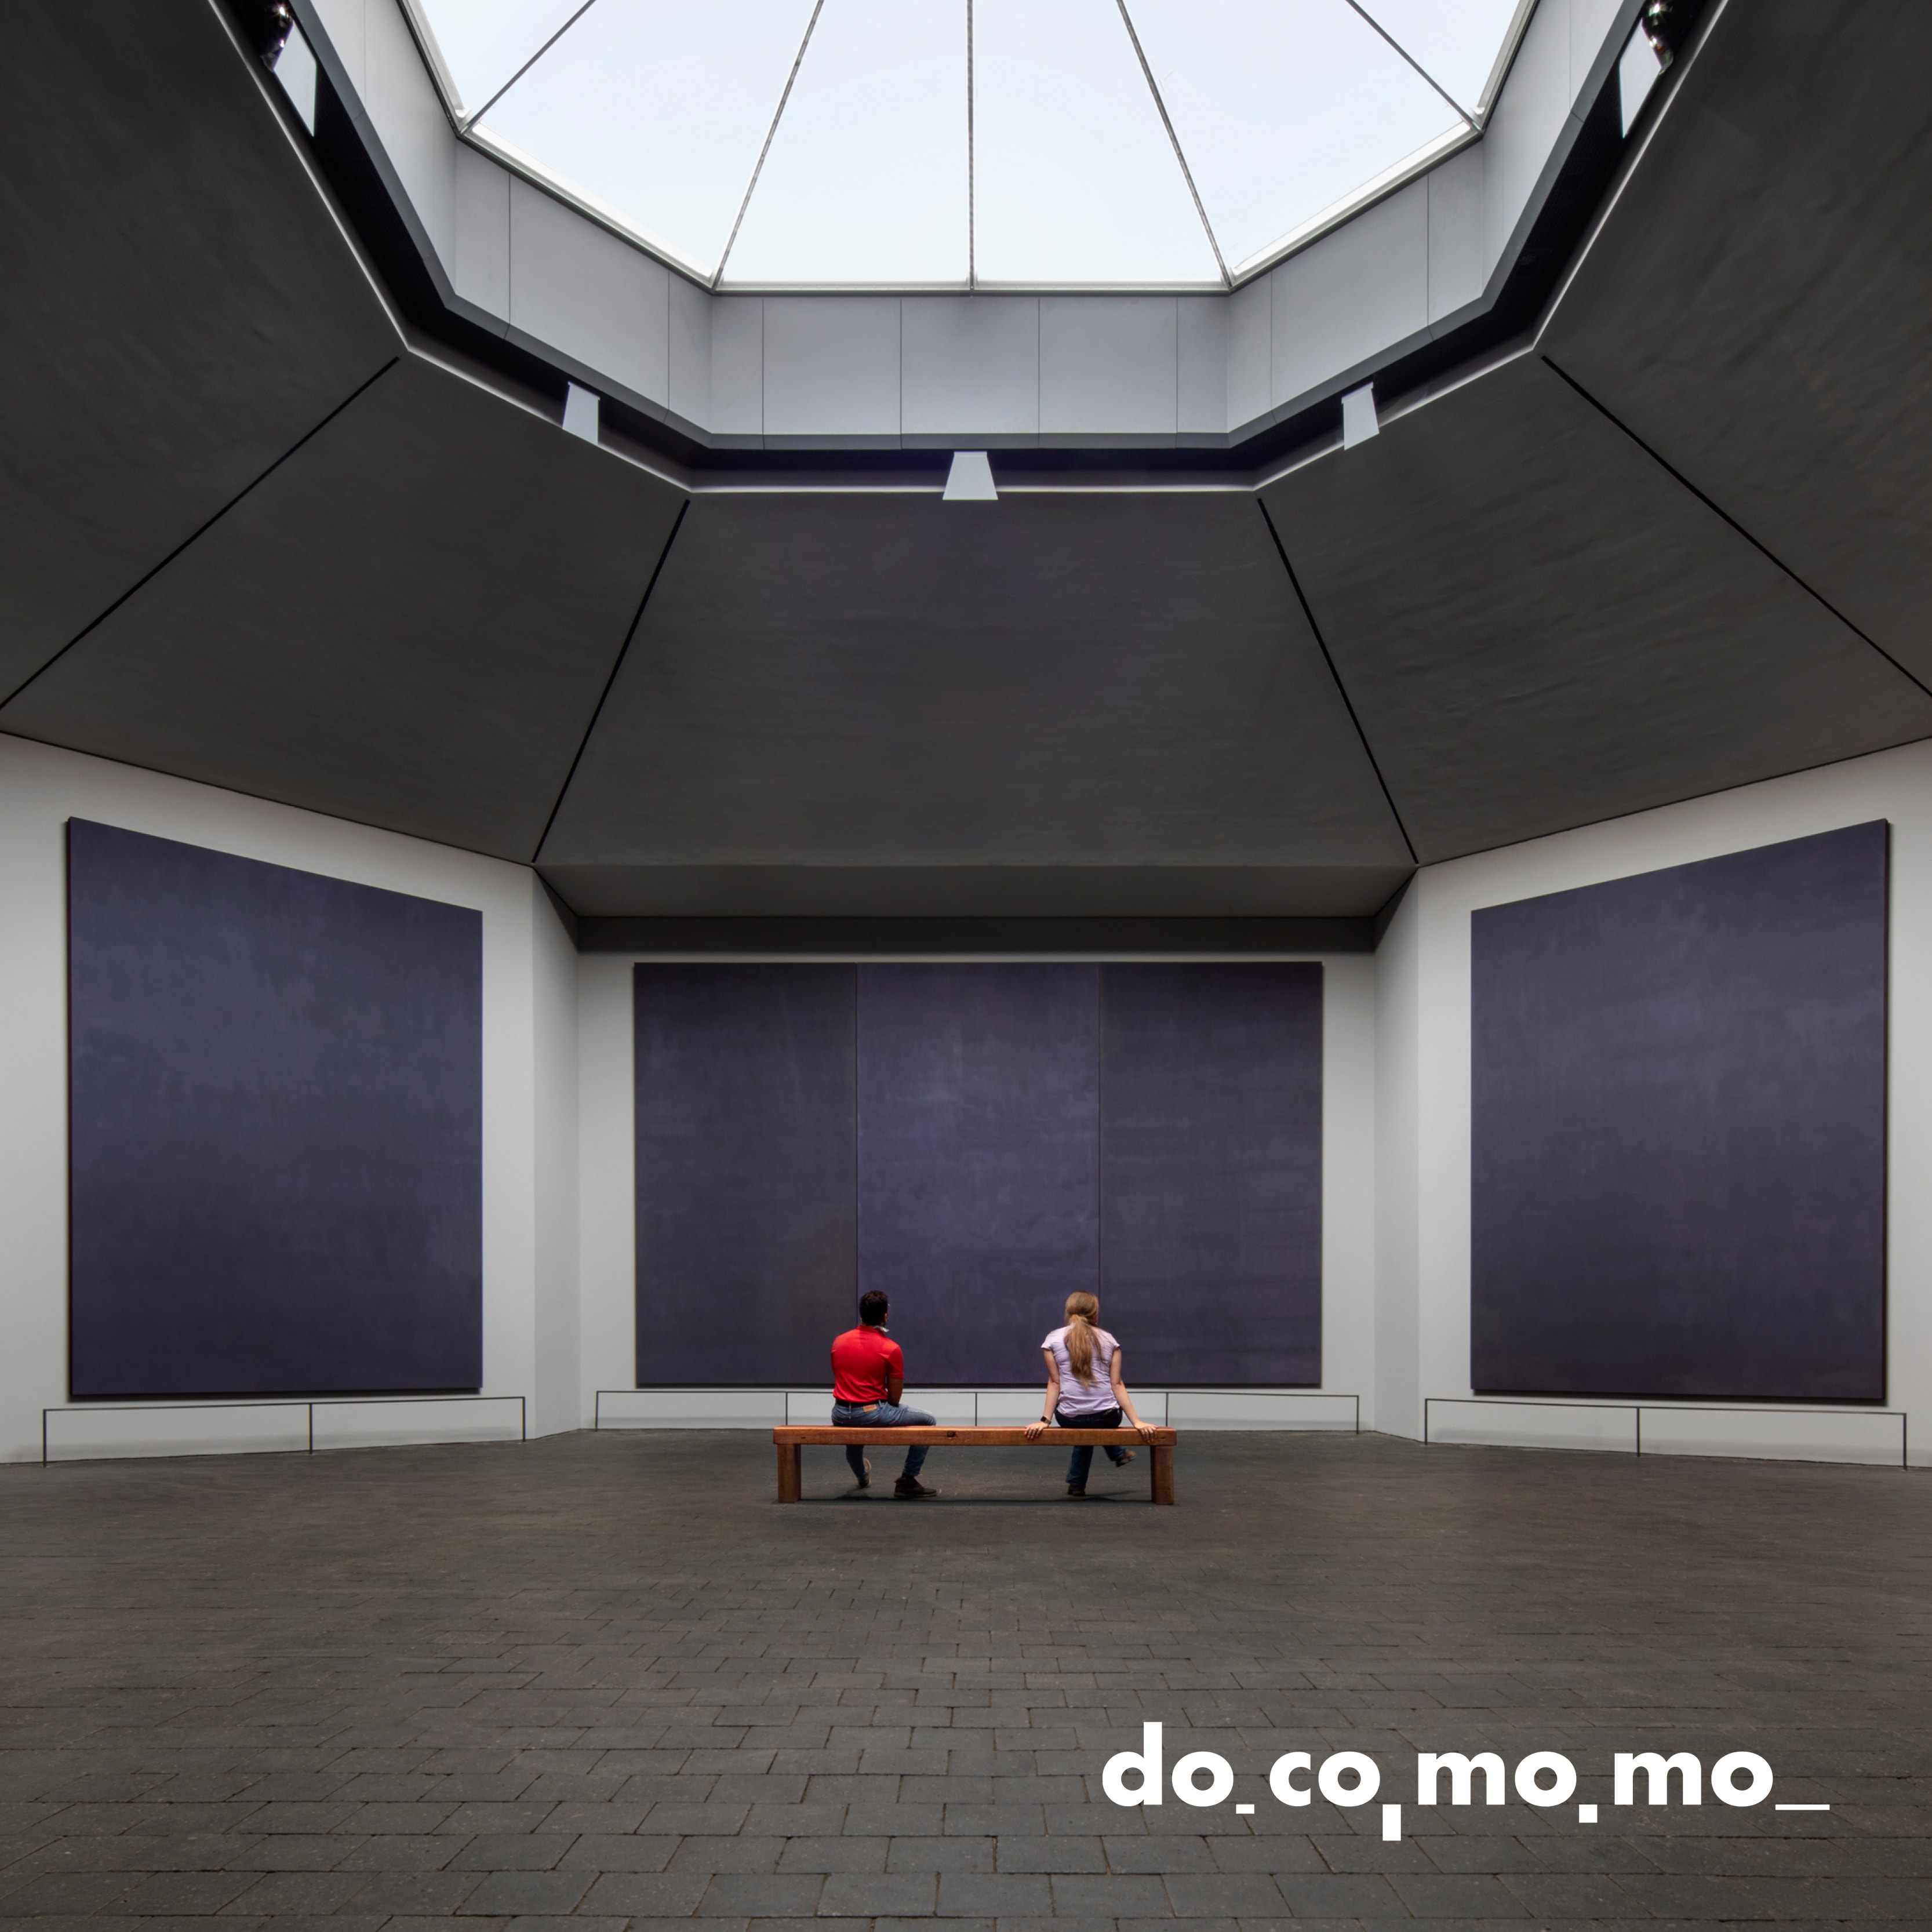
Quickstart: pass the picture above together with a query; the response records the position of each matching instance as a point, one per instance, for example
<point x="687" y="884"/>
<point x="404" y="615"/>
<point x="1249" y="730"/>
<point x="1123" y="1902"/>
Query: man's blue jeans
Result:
<point x="881" y="1415"/>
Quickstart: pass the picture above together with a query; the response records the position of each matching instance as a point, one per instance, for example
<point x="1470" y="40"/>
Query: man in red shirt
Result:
<point x="868" y="1378"/>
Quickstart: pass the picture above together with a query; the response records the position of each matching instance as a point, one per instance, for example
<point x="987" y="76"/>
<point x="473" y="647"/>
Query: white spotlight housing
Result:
<point x="579" y="413"/>
<point x="970" y="478"/>
<point x="295" y="68"/>
<point x="1638" y="69"/>
<point x="1359" y="420"/>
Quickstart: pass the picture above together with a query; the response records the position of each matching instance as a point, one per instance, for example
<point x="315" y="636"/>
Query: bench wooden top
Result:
<point x="965" y="1438"/>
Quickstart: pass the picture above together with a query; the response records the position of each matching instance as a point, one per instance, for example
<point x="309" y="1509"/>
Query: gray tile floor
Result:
<point x="604" y="1676"/>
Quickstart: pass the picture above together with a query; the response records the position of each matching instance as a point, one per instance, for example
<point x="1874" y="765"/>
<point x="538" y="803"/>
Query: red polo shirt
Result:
<point x="862" y="1359"/>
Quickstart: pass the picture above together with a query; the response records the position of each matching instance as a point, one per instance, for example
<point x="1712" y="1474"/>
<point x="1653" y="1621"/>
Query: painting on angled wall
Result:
<point x="979" y="1141"/>
<point x="1677" y="1145"/>
<point x="276" y="1128"/>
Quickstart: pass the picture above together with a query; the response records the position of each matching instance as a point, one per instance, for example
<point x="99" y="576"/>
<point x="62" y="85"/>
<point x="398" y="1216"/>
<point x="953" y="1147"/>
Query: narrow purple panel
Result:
<point x="744" y="1202"/>
<point x="1678" y="1130"/>
<point x="979" y="1158"/>
<point x="1211" y="1160"/>
<point x="276" y="1128"/>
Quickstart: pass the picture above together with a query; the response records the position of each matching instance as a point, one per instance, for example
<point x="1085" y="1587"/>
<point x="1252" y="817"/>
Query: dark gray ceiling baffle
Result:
<point x="408" y="622"/>
<point x="179" y="306"/>
<point x="1054" y="704"/>
<point x="1540" y="626"/>
<point x="251" y="534"/>
<point x="1759" y="309"/>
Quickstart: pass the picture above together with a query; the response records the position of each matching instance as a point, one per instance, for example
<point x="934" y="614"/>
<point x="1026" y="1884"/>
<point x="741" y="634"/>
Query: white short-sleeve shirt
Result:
<point x="1079" y="1398"/>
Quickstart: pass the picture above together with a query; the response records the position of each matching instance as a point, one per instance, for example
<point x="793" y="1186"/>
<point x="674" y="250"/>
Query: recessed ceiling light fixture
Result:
<point x="970" y="478"/>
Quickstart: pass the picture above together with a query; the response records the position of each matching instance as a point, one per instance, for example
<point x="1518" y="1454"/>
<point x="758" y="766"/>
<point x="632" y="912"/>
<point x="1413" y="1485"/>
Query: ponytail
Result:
<point x="1081" y="1308"/>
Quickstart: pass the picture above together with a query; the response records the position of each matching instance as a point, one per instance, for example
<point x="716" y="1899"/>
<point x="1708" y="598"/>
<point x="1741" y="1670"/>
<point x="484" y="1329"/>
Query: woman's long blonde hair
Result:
<point x="1082" y="1310"/>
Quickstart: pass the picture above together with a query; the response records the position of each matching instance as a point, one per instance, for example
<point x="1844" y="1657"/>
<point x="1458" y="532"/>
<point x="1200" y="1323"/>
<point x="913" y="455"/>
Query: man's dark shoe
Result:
<point x="1076" y="1492"/>
<point x="910" y="1488"/>
<point x="865" y="1474"/>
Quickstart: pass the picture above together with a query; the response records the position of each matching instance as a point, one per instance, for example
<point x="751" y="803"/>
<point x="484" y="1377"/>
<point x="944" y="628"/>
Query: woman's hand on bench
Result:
<point x="1035" y="1430"/>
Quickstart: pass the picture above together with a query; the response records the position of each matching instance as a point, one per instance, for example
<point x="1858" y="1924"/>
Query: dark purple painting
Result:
<point x="276" y="1128"/>
<point x="1679" y="1130"/>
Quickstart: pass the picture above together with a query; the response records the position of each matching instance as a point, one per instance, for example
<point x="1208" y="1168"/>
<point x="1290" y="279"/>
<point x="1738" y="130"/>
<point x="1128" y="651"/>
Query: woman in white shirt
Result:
<point x="1084" y="1388"/>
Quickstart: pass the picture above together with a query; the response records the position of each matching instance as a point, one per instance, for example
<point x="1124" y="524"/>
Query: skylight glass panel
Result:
<point x="1286" y="110"/>
<point x="483" y="43"/>
<point x="654" y="111"/>
<point x="1456" y="41"/>
<point x="1075" y="179"/>
<point x="865" y="181"/>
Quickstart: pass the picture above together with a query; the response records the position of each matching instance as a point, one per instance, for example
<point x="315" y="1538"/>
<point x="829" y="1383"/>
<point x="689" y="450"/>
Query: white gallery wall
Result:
<point x="608" y="1252"/>
<point x="559" y="1254"/>
<point x="529" y="1100"/>
<point x="1422" y="1208"/>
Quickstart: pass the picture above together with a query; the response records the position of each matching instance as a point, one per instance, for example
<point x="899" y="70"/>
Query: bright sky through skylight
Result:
<point x="962" y="143"/>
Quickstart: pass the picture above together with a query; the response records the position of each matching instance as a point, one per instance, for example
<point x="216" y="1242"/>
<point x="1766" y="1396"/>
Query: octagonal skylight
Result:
<point x="955" y="144"/>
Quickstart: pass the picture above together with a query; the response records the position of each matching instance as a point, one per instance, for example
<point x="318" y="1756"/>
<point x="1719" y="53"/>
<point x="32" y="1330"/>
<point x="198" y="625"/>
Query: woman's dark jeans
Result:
<point x="1082" y="1460"/>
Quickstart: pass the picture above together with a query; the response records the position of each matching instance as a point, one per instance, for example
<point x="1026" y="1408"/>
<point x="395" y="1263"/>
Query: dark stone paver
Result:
<point x="602" y="1683"/>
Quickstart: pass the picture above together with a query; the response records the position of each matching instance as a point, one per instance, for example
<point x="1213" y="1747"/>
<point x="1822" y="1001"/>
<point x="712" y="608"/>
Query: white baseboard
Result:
<point x="90" y="1431"/>
<point x="987" y="1407"/>
<point x="1529" y="1425"/>
<point x="1765" y="1432"/>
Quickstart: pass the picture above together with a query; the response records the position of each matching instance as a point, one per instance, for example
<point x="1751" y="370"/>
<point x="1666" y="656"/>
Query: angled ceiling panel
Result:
<point x="180" y="308"/>
<point x="852" y="700"/>
<point x="1541" y="627"/>
<point x="1756" y="308"/>
<point x="409" y="623"/>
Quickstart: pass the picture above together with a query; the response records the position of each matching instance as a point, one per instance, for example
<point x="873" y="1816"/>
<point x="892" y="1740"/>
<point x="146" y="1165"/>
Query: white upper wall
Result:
<point x="1423" y="1207"/>
<point x="607" y="1135"/>
<point x="989" y="371"/>
<point x="528" y="1099"/>
<point x="558" y="1210"/>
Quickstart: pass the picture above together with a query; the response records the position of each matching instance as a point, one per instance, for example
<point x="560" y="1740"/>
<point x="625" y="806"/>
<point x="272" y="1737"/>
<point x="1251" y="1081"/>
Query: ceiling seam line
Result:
<point x="771" y="135"/>
<point x="340" y="816"/>
<point x="972" y="163"/>
<point x="1174" y="141"/>
<point x="195" y="536"/>
<point x="470" y="121"/>
<point x="1717" y="510"/>
<point x="1341" y="690"/>
<point x="1371" y="20"/>
<point x="609" y="683"/>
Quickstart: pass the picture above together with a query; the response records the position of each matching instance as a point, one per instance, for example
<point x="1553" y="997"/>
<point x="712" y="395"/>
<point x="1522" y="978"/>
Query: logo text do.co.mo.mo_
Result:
<point x="1351" y="1778"/>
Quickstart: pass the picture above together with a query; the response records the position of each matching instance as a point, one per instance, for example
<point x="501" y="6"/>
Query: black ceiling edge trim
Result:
<point x="196" y="536"/>
<point x="1383" y="919"/>
<point x="1687" y="798"/>
<point x="335" y="816"/>
<point x="779" y="935"/>
<point x="1717" y="510"/>
<point x="1583" y="179"/>
<point x="617" y="664"/>
<point x="1341" y="690"/>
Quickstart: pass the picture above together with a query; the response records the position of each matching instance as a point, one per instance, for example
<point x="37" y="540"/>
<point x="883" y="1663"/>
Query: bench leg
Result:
<point x="1163" y="1474"/>
<point x="789" y="1456"/>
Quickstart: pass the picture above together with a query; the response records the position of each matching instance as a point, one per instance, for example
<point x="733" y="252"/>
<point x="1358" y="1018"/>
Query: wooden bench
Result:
<point x="789" y="1441"/>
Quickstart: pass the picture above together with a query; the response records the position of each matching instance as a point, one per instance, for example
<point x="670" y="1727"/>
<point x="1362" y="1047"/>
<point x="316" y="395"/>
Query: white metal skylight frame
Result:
<point x="466" y="121"/>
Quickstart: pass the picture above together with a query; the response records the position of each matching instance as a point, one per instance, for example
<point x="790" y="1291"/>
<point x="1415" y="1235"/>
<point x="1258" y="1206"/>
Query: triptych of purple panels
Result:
<point x="979" y="1141"/>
